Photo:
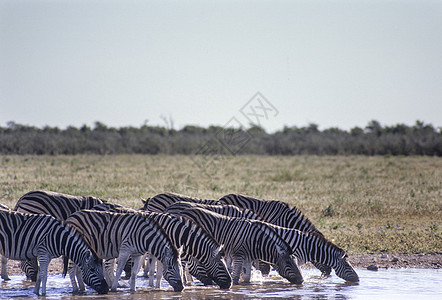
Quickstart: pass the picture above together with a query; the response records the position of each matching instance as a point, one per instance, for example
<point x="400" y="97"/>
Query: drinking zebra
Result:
<point x="114" y="235"/>
<point x="58" y="205"/>
<point x="277" y="213"/>
<point x="246" y="240"/>
<point x="311" y="246"/>
<point x="200" y="250"/>
<point x="42" y="238"/>
<point x="160" y="202"/>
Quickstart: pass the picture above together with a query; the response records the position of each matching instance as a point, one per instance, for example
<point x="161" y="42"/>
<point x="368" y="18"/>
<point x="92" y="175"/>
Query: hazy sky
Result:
<point x="334" y="63"/>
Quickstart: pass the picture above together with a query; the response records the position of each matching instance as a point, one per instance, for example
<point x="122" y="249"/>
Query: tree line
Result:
<point x="374" y="139"/>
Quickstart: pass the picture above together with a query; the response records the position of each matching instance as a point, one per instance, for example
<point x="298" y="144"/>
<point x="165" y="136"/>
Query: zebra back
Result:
<point x="28" y="237"/>
<point x="272" y="211"/>
<point x="160" y="202"/>
<point x="225" y="210"/>
<point x="58" y="205"/>
<point x="248" y="240"/>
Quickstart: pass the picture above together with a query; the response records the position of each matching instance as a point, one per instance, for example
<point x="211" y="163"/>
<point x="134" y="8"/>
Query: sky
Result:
<point x="226" y="63"/>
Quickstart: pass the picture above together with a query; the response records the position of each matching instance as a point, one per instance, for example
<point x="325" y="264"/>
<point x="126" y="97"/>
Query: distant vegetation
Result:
<point x="374" y="139"/>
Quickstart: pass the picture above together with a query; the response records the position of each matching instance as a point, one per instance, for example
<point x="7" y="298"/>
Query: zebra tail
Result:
<point x="65" y="265"/>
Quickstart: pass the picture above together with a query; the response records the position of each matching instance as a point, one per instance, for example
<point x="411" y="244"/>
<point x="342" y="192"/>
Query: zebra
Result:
<point x="311" y="246"/>
<point x="246" y="240"/>
<point x="226" y="210"/>
<point x="200" y="250"/>
<point x="53" y="204"/>
<point x="123" y="235"/>
<point x="42" y="238"/>
<point x="277" y="213"/>
<point x="160" y="202"/>
<point x="4" y="271"/>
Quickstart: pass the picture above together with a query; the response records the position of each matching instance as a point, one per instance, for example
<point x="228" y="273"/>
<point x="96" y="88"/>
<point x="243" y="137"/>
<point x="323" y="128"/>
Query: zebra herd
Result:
<point x="215" y="241"/>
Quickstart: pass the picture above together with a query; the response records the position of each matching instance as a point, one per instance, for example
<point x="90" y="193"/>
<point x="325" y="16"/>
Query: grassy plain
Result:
<point x="363" y="204"/>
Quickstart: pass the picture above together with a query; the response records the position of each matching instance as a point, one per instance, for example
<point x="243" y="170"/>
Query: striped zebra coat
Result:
<point x="160" y="202"/>
<point x="58" y="205"/>
<point x="199" y="248"/>
<point x="55" y="204"/>
<point x="30" y="267"/>
<point x="114" y="235"/>
<point x="311" y="246"/>
<point x="246" y="240"/>
<point x="277" y="213"/>
<point x="4" y="271"/>
<point x="42" y="238"/>
<point x="225" y="210"/>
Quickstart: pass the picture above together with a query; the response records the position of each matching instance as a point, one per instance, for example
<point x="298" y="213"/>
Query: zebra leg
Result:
<point x="72" y="276"/>
<point x="109" y="271"/>
<point x="236" y="269"/>
<point x="188" y="278"/>
<point x="4" y="269"/>
<point x="44" y="261"/>
<point x="229" y="263"/>
<point x="80" y="279"/>
<point x="146" y="265"/>
<point x="122" y="259"/>
<point x="160" y="269"/>
<point x="152" y="265"/>
<point x="134" y="271"/>
<point x="247" y="267"/>
<point x="325" y="270"/>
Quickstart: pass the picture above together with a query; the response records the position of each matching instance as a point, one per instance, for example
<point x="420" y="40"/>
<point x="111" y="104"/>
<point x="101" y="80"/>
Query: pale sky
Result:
<point x="333" y="63"/>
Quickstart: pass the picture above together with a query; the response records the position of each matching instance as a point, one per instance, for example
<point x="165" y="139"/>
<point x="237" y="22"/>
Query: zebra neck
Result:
<point x="69" y="243"/>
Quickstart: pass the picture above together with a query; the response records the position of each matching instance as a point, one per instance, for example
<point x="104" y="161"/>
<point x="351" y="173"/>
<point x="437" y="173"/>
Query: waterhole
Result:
<point x="383" y="284"/>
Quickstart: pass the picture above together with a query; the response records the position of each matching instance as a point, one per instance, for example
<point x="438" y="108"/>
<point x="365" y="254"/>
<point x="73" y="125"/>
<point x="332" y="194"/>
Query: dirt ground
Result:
<point x="369" y="261"/>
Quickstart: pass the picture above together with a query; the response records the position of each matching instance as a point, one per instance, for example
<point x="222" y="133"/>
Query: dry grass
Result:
<point x="364" y="204"/>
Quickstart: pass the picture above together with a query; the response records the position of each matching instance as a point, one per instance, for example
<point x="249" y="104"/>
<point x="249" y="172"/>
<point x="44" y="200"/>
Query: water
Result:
<point x="383" y="284"/>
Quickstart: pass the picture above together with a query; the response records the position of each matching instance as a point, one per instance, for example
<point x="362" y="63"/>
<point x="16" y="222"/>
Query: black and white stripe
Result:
<point x="199" y="248"/>
<point x="246" y="240"/>
<point x="114" y="235"/>
<point x="55" y="204"/>
<point x="310" y="246"/>
<point x="277" y="213"/>
<point x="58" y="205"/>
<point x="42" y="238"/>
<point x="160" y="202"/>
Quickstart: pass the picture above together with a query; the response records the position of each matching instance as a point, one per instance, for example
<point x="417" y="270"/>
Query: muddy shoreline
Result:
<point x="365" y="261"/>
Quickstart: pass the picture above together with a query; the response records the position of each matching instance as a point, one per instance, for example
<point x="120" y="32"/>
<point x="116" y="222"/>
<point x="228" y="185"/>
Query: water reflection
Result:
<point x="386" y="284"/>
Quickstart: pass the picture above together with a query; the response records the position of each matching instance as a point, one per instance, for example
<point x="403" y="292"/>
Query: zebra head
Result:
<point x="344" y="269"/>
<point x="287" y="266"/>
<point x="92" y="272"/>
<point x="172" y="270"/>
<point x="217" y="269"/>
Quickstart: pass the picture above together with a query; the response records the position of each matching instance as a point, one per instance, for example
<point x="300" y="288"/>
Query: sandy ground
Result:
<point x="370" y="261"/>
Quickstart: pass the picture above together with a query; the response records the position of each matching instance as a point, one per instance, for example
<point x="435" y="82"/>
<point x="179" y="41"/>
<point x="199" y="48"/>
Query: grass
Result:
<point x="363" y="204"/>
